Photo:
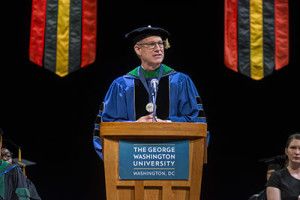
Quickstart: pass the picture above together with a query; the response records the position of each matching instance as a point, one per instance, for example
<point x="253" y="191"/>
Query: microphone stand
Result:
<point x="154" y="87"/>
<point x="154" y="106"/>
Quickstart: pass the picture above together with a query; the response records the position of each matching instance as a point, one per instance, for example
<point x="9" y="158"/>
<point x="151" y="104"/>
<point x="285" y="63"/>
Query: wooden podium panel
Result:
<point x="117" y="189"/>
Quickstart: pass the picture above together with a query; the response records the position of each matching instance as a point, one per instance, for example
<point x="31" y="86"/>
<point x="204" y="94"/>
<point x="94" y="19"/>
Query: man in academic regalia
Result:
<point x="152" y="91"/>
<point x="14" y="185"/>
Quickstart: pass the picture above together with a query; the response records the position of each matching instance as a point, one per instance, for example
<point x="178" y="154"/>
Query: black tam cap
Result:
<point x="143" y="32"/>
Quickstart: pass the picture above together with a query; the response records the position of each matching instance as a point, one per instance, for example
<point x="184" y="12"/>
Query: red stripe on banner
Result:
<point x="89" y="31"/>
<point x="37" y="31"/>
<point x="230" y="35"/>
<point x="281" y="33"/>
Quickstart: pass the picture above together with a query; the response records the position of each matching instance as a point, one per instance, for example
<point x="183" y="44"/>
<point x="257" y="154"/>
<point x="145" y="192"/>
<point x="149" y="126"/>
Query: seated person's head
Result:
<point x="6" y="155"/>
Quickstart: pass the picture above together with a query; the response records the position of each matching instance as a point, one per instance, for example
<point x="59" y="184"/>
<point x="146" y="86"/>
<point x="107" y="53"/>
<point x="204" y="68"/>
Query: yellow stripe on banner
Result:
<point x="62" y="46"/>
<point x="256" y="39"/>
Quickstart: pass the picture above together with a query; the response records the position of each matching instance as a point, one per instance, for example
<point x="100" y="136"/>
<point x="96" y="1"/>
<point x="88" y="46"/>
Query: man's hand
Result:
<point x="146" y="118"/>
<point x="149" y="118"/>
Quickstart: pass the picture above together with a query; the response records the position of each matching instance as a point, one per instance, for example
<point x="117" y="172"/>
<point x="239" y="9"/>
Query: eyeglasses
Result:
<point x="152" y="45"/>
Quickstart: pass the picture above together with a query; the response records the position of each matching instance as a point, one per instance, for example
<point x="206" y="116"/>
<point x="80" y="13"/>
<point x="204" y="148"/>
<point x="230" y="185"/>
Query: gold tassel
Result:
<point x="167" y="44"/>
<point x="20" y="161"/>
<point x="19" y="155"/>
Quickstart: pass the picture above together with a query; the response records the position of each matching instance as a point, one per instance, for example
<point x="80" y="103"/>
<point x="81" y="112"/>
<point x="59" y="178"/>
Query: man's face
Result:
<point x="151" y="52"/>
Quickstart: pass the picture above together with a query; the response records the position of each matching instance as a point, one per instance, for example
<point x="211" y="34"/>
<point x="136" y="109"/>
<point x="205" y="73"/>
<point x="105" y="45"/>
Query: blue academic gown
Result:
<point x="119" y="102"/>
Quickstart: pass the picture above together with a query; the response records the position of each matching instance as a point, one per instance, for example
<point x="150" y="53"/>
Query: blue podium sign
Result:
<point x="154" y="159"/>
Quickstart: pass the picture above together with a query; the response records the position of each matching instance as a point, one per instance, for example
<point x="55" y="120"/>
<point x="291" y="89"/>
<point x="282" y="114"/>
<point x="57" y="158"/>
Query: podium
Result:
<point x="117" y="189"/>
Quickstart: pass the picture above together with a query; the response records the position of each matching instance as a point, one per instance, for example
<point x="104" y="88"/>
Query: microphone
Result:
<point x="154" y="85"/>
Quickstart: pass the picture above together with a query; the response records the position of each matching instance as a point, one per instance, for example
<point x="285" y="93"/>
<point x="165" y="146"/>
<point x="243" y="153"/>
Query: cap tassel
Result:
<point x="19" y="155"/>
<point x="167" y="44"/>
<point x="20" y="161"/>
